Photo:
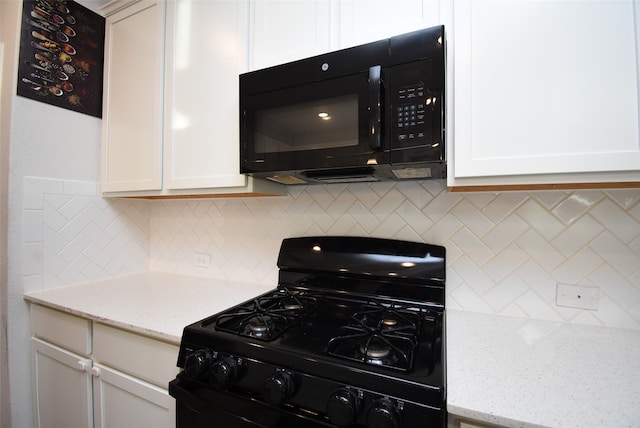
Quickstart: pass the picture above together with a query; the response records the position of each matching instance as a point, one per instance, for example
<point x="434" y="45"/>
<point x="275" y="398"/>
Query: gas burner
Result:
<point x="291" y="306"/>
<point x="379" y="335"/>
<point x="389" y="318"/>
<point x="257" y="328"/>
<point x="375" y="350"/>
<point x="260" y="328"/>
<point x="267" y="316"/>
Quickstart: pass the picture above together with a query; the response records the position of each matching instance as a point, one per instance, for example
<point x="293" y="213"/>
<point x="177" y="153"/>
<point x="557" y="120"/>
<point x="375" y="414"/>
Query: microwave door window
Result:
<point x="305" y="127"/>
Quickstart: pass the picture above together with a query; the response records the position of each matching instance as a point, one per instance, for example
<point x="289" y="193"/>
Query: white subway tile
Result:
<point x="577" y="235"/>
<point x="616" y="221"/>
<point x="576" y="204"/>
<point x="616" y="253"/>
<point x="32" y="258"/>
<point x="506" y="252"/>
<point x="32" y="283"/>
<point x="32" y="224"/>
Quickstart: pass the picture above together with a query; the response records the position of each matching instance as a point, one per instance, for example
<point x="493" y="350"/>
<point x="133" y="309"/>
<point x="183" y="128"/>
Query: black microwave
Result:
<point x="368" y="113"/>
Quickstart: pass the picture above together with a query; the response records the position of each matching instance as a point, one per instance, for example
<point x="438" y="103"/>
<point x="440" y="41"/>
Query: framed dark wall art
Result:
<point x="62" y="55"/>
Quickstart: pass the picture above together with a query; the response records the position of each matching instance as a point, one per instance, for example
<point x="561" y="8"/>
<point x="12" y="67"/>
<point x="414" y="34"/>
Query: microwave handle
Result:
<point x="375" y="125"/>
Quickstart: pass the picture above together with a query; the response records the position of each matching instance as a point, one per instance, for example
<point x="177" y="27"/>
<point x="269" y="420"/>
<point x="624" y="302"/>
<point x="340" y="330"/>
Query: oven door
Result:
<point x="198" y="407"/>
<point x="333" y="123"/>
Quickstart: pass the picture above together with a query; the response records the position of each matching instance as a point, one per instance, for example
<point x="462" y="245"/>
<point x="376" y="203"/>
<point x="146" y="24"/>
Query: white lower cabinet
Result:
<point x="61" y="387"/>
<point x="88" y="374"/>
<point x="123" y="401"/>
<point x="455" y="422"/>
<point x="132" y="373"/>
<point x="474" y="424"/>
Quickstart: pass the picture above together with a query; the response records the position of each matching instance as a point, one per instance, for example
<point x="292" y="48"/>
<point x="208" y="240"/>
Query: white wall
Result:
<point x="65" y="145"/>
<point x="41" y="140"/>
<point x="5" y="120"/>
<point x="8" y="39"/>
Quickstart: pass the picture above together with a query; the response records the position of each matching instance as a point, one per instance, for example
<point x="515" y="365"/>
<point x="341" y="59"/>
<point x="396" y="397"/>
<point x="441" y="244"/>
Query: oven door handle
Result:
<point x="375" y="107"/>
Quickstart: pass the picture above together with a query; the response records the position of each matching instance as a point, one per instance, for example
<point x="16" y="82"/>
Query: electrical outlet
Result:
<point x="202" y="260"/>
<point x="577" y="296"/>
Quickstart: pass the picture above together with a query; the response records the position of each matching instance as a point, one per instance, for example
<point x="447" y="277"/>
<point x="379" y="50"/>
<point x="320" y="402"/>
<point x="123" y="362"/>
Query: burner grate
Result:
<point x="268" y="316"/>
<point x="379" y="335"/>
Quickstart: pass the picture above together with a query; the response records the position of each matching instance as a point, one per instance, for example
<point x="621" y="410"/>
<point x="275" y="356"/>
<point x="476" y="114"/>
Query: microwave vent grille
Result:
<point x="346" y="175"/>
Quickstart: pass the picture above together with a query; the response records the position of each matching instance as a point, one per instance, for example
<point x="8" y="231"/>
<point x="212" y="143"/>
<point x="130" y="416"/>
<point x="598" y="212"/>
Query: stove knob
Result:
<point x="197" y="364"/>
<point x="343" y="407"/>
<point x="224" y="373"/>
<point x="278" y="388"/>
<point x="383" y="414"/>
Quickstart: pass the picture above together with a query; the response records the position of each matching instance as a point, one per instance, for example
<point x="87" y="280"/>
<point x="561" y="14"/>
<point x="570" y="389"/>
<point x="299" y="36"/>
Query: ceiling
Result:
<point x="94" y="5"/>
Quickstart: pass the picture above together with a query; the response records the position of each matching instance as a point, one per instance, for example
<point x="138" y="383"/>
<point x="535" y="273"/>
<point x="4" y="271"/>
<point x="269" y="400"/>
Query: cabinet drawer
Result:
<point x="65" y="330"/>
<point x="140" y="356"/>
<point x="456" y="422"/>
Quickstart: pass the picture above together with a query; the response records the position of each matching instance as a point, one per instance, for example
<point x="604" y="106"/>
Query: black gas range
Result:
<point x="352" y="336"/>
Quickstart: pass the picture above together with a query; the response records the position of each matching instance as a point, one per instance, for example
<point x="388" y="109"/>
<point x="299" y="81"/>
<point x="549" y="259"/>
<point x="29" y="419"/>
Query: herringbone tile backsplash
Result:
<point x="506" y="252"/>
<point x="71" y="235"/>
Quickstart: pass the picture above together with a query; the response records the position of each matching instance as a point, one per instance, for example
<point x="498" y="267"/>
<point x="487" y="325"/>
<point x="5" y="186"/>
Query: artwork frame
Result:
<point x="62" y="55"/>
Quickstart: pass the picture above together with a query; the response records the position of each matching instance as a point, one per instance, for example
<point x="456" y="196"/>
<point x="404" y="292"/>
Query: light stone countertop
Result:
<point x="505" y="371"/>
<point x="155" y="304"/>
<point x="527" y="373"/>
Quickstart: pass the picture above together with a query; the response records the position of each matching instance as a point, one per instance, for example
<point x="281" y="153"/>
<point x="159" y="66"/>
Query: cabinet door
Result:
<point x="61" y="387"/>
<point x="368" y="21"/>
<point x="544" y="87"/>
<point x="133" y="98"/>
<point x="122" y="401"/>
<point x="287" y="30"/>
<point x="206" y="51"/>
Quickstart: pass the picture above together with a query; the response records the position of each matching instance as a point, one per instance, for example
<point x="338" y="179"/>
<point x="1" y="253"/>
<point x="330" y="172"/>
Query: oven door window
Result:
<point x="323" y="124"/>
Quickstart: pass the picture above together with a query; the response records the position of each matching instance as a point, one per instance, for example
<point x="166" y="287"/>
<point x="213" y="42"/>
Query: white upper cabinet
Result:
<point x="367" y="21"/>
<point x="539" y="91"/>
<point x="207" y="50"/>
<point x="133" y="88"/>
<point x="543" y="92"/>
<point x="171" y="109"/>
<point x="288" y="30"/>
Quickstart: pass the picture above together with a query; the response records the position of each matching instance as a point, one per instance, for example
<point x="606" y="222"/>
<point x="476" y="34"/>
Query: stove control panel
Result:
<point x="334" y="402"/>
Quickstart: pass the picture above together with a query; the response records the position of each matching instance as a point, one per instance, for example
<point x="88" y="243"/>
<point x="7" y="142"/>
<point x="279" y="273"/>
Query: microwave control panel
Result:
<point x="416" y="106"/>
<point x="411" y="114"/>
